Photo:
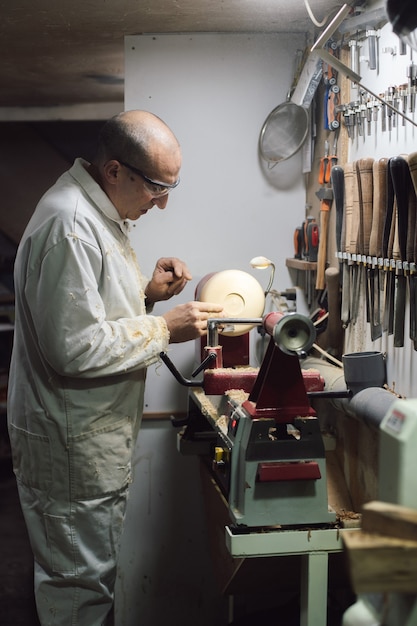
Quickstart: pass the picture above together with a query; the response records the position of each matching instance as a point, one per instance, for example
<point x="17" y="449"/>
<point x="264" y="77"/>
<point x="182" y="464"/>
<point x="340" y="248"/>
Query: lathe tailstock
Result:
<point x="256" y="429"/>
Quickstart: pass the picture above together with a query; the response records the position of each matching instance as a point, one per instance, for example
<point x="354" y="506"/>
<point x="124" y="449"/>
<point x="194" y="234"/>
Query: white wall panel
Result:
<point x="215" y="91"/>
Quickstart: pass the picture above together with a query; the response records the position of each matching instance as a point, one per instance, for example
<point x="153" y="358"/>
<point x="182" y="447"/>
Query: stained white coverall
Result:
<point x="82" y="344"/>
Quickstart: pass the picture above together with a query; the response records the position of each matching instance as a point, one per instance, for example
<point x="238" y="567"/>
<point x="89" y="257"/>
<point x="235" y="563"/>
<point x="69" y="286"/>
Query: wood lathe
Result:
<point x="257" y="429"/>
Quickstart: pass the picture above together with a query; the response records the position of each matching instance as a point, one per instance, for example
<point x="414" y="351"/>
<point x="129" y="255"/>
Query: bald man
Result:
<point x="84" y="337"/>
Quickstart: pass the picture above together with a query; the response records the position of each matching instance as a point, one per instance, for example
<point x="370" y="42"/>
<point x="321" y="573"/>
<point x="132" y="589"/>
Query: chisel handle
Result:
<point x="379" y="206"/>
<point x="412" y="165"/>
<point x="322" y="252"/>
<point x="364" y="172"/>
<point x="401" y="183"/>
<point x="389" y="217"/>
<point x="338" y="183"/>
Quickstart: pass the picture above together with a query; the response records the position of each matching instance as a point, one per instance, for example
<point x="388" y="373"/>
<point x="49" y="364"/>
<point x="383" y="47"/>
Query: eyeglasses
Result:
<point x="155" y="187"/>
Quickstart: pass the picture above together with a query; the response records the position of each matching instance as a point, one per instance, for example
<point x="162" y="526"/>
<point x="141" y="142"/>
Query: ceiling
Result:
<point x="61" y="52"/>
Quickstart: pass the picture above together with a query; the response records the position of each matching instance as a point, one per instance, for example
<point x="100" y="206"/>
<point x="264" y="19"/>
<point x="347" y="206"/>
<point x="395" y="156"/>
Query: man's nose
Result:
<point x="161" y="202"/>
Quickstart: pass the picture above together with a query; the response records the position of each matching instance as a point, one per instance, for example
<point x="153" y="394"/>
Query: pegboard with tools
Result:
<point x="381" y="108"/>
<point x="379" y="311"/>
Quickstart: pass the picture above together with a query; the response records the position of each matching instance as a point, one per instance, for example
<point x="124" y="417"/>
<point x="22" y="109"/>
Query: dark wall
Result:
<point x="32" y="156"/>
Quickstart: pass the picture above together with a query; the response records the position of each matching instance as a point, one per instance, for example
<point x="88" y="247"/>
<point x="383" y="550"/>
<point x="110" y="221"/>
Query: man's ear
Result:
<point x="111" y="171"/>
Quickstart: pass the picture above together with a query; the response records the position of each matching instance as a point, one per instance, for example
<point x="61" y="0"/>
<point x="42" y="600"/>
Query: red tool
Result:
<point x="312" y="240"/>
<point x="326" y="163"/>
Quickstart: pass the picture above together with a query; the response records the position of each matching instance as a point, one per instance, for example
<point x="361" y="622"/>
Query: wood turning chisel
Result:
<point x="356" y="282"/>
<point x="412" y="247"/>
<point x="337" y="178"/>
<point x="379" y="172"/>
<point x="364" y="173"/>
<point x="346" y="237"/>
<point x="401" y="181"/>
<point x="325" y="195"/>
<point x="387" y="247"/>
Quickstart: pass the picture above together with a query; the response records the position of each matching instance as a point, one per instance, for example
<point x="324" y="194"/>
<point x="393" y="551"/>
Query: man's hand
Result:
<point x="168" y="279"/>
<point x="189" y="321"/>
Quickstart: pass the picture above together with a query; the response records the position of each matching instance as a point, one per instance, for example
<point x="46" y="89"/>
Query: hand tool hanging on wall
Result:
<point x="324" y="171"/>
<point x="332" y="90"/>
<point x="412" y="83"/>
<point x="401" y="183"/>
<point x="387" y="249"/>
<point x="364" y="172"/>
<point x="311" y="238"/>
<point x="347" y="258"/>
<point x="327" y="162"/>
<point x="412" y="247"/>
<point x="325" y="195"/>
<point x="337" y="178"/>
<point x="298" y="242"/>
<point x="379" y="206"/>
<point x="310" y="246"/>
<point x="371" y="35"/>
<point x="379" y="171"/>
<point x="411" y="259"/>
<point x="356" y="282"/>
<point x="332" y="114"/>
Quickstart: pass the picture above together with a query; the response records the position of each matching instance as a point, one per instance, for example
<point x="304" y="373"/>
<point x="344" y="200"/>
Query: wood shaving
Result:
<point x="238" y="396"/>
<point x="223" y="423"/>
<point x="392" y="390"/>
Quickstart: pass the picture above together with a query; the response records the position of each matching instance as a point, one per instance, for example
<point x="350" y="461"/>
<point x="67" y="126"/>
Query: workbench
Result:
<point x="305" y="563"/>
<point x="313" y="546"/>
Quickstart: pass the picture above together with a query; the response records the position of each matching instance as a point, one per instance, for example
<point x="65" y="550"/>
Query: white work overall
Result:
<point x="82" y="343"/>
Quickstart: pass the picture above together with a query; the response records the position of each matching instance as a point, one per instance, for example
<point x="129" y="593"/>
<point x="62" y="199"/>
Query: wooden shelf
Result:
<point x="301" y="264"/>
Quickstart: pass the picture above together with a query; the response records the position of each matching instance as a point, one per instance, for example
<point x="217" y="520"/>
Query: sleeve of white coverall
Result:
<point x="69" y="315"/>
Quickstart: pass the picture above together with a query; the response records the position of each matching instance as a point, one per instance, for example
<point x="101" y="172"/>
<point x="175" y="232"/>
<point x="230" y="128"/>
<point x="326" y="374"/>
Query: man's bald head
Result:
<point x="138" y="137"/>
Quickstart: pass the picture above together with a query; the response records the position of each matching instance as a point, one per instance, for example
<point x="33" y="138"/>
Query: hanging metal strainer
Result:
<point x="283" y="132"/>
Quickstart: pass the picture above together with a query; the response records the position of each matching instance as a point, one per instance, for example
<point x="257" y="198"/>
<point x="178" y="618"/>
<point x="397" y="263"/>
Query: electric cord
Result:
<point x="326" y="17"/>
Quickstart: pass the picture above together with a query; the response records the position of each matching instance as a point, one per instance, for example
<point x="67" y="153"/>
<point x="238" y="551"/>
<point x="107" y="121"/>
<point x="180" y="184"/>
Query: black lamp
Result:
<point x="403" y="16"/>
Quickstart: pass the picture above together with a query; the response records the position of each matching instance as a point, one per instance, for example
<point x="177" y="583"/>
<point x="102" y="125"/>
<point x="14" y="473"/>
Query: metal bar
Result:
<point x="313" y="589"/>
<point x="332" y="26"/>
